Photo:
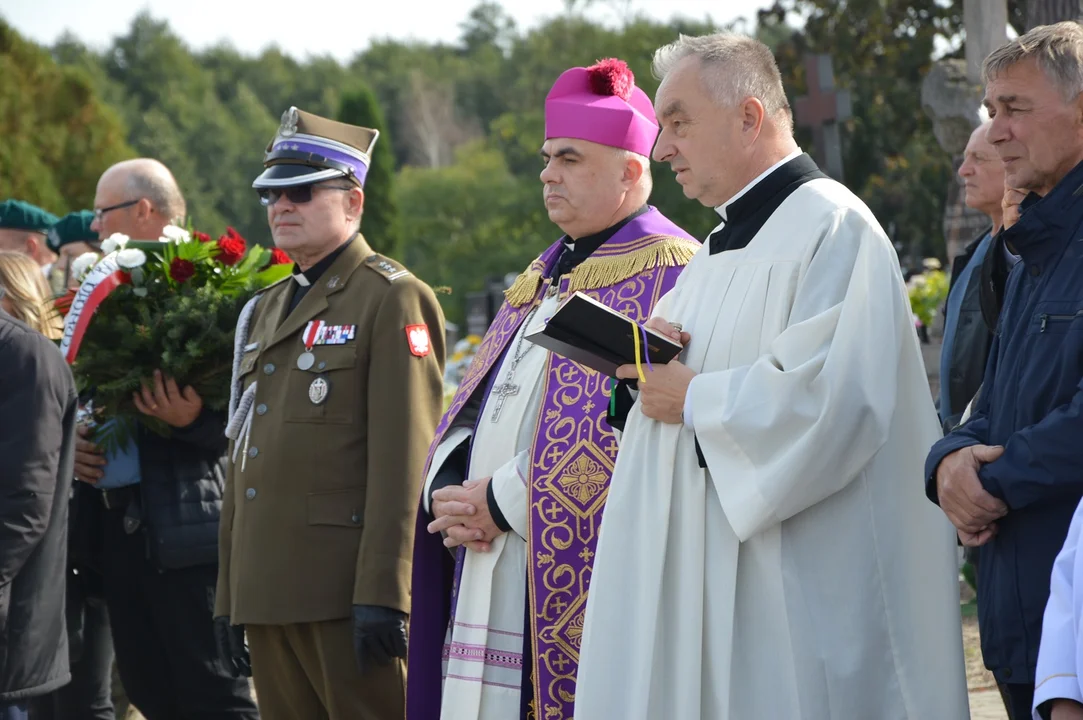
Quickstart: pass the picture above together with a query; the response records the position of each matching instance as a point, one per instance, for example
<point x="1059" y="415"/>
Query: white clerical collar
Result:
<point x="721" y="209"/>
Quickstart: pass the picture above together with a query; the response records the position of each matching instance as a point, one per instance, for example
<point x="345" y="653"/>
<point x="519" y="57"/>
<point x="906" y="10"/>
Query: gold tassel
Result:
<point x="605" y="271"/>
<point x="525" y="287"/>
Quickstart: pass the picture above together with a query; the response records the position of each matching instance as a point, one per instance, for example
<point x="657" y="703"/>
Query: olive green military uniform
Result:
<point x="322" y="491"/>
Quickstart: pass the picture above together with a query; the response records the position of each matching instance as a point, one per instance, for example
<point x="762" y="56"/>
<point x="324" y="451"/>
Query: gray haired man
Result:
<point x="1009" y="478"/>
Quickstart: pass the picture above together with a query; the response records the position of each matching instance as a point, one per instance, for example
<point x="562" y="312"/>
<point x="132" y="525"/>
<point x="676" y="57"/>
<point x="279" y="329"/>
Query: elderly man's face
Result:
<point x="701" y="140"/>
<point x="304" y="229"/>
<point x="583" y="184"/>
<point x="122" y="212"/>
<point x="1037" y="134"/>
<point x="982" y="173"/>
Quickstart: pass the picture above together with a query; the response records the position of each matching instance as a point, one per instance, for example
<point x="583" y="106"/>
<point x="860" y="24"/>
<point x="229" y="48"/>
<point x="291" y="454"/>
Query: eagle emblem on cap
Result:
<point x="288" y="128"/>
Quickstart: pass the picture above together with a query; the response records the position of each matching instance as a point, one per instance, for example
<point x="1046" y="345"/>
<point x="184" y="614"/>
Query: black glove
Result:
<point x="231" y="647"/>
<point x="379" y="635"/>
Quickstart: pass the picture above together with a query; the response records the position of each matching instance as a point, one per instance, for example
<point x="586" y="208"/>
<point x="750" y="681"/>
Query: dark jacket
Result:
<point x="1032" y="404"/>
<point x="37" y="446"/>
<point x="962" y="373"/>
<point x="181" y="491"/>
<point x="178" y="502"/>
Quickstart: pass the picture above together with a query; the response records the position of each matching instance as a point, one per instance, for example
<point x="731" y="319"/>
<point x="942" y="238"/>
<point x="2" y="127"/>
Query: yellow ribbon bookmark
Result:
<point x="639" y="363"/>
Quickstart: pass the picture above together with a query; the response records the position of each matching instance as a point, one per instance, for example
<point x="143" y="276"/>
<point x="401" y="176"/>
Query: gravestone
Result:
<point x="951" y="95"/>
<point x="822" y="110"/>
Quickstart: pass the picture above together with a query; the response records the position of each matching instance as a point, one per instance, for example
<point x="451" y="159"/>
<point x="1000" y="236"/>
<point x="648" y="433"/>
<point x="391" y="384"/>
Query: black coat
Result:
<point x="37" y="446"/>
<point x="179" y="500"/>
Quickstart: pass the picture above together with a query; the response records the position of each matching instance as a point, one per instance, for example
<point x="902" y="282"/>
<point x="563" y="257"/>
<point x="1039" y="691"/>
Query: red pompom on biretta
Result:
<point x="612" y="77"/>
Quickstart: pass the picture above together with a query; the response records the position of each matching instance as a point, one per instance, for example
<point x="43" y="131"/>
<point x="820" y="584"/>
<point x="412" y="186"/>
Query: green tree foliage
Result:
<point x="380" y="223"/>
<point x="881" y="51"/>
<point x="57" y="133"/>
<point x="463" y="122"/>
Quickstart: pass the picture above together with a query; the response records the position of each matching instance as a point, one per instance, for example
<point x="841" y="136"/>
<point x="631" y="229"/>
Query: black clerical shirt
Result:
<point x="577" y="250"/>
<point x="303" y="281"/>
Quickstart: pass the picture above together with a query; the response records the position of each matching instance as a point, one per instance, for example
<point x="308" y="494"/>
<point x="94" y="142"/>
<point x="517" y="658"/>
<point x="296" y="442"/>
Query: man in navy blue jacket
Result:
<point x="1010" y="478"/>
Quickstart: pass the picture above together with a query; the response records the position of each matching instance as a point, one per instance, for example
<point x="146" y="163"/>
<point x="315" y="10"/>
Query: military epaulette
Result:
<point x="388" y="268"/>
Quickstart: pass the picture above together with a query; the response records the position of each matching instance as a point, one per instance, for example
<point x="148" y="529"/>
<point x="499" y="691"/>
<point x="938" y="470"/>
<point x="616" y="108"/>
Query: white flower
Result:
<point x="81" y="265"/>
<point x="174" y="234"/>
<point x="131" y="259"/>
<point x="114" y="242"/>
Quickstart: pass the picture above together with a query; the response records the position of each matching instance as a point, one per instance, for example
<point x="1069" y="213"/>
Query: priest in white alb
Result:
<point x="767" y="552"/>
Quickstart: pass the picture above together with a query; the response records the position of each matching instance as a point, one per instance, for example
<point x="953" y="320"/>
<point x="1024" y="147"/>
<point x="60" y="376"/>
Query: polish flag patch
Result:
<point x="418" y="338"/>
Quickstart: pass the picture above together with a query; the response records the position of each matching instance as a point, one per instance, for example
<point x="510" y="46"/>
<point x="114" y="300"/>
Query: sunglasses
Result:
<point x="298" y="195"/>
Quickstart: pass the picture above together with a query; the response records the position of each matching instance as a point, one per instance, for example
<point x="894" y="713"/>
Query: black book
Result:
<point x="598" y="337"/>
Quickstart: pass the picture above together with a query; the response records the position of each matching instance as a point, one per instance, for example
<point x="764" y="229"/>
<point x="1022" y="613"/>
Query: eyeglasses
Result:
<point x="298" y="195"/>
<point x="98" y="212"/>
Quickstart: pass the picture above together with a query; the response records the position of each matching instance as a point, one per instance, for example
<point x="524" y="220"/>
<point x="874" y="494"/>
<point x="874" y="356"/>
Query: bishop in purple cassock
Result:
<point x="518" y="475"/>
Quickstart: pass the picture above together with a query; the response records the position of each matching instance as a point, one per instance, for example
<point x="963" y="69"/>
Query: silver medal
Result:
<point x="306" y="360"/>
<point x="317" y="391"/>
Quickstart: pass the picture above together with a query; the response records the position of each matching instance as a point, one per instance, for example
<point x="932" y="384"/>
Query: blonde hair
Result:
<point x="25" y="288"/>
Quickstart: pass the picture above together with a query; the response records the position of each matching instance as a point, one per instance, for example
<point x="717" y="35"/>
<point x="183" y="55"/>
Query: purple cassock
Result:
<point x="572" y="462"/>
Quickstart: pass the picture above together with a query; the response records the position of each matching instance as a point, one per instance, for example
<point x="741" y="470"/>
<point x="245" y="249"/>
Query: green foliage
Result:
<point x="463" y="122"/>
<point x="881" y="51"/>
<point x="58" y="134"/>
<point x="928" y="291"/>
<point x="380" y="223"/>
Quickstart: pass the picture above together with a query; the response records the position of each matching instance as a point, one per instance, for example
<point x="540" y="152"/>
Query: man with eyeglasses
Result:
<point x="337" y="392"/>
<point x="153" y="508"/>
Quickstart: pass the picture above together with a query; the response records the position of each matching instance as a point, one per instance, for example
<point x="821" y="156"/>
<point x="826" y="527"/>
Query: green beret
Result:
<point x="19" y="215"/>
<point x="73" y="227"/>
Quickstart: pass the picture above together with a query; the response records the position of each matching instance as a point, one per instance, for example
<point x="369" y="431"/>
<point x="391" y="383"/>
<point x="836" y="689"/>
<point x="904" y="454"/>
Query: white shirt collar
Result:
<point x="721" y="209"/>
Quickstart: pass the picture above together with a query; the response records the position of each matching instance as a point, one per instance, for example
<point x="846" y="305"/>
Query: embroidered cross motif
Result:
<point x="612" y="448"/>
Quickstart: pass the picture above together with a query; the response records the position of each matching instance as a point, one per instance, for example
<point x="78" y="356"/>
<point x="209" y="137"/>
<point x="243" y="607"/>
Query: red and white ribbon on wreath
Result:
<point x="104" y="278"/>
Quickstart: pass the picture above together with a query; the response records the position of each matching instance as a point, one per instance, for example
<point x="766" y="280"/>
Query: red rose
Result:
<point x="278" y="257"/>
<point x="202" y="237"/>
<point x="230" y="250"/>
<point x="181" y="270"/>
<point x="125" y="277"/>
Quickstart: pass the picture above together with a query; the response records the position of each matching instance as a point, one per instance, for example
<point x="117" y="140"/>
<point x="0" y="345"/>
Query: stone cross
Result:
<point x="822" y="110"/>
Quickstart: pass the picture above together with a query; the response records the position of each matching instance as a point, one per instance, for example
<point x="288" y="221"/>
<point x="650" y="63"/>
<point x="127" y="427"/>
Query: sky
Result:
<point x="340" y="28"/>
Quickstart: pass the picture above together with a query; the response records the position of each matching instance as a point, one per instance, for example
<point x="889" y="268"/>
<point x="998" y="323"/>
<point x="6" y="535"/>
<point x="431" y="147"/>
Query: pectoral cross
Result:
<point x="503" y="392"/>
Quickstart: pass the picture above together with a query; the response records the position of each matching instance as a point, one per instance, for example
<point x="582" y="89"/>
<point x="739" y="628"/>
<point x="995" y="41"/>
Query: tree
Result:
<point x="58" y="135"/>
<point x="381" y="223"/>
<point x="890" y="157"/>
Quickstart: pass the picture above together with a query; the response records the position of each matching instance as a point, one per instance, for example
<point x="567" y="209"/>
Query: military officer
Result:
<point x="337" y="392"/>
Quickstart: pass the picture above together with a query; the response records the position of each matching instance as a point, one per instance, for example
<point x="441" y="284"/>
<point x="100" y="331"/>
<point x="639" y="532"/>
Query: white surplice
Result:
<point x="484" y="663"/>
<point x="803" y="575"/>
<point x="1060" y="657"/>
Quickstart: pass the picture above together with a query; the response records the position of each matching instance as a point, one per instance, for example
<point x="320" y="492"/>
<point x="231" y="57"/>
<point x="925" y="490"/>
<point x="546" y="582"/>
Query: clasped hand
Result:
<point x="662" y="395"/>
<point x="462" y="514"/>
<point x="969" y="507"/>
<point x="162" y="400"/>
<point x="165" y="401"/>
